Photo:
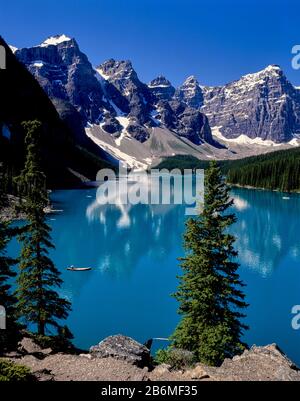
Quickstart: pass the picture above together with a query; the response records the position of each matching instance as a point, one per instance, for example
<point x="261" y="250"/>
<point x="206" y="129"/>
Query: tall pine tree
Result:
<point x="210" y="291"/>
<point x="9" y="336"/>
<point x="38" y="301"/>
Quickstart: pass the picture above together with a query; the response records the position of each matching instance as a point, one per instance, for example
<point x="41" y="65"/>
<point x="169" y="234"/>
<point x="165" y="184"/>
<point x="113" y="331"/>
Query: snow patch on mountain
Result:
<point x="38" y="64"/>
<point x="158" y="86"/>
<point x="242" y="139"/>
<point x="13" y="48"/>
<point x="130" y="161"/>
<point x="102" y="78"/>
<point x="154" y="116"/>
<point x="124" y="121"/>
<point x="294" y="142"/>
<point x="55" y="40"/>
<point x="245" y="140"/>
<point x="249" y="80"/>
<point x="102" y="74"/>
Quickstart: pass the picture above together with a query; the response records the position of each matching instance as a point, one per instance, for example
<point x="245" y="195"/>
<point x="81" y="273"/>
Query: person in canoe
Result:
<point x="78" y="269"/>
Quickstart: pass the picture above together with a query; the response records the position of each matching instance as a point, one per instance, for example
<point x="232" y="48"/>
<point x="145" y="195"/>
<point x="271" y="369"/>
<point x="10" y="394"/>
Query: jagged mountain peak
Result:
<point x="259" y="105"/>
<point x="273" y="67"/>
<point x="67" y="76"/>
<point x="190" y="92"/>
<point x="191" y="80"/>
<point x="271" y="71"/>
<point x="127" y="92"/>
<point x="161" y="88"/>
<point x="262" y="104"/>
<point x="160" y="81"/>
<point x="117" y="69"/>
<point x="253" y="81"/>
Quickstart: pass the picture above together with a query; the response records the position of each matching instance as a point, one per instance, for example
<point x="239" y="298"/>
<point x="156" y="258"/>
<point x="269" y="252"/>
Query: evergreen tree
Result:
<point x="9" y="336"/>
<point x="38" y="302"/>
<point x="277" y="170"/>
<point x="209" y="292"/>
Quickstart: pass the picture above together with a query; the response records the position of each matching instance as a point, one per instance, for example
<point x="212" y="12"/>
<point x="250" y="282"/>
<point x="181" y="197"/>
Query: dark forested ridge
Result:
<point x="278" y="170"/>
<point x="275" y="171"/>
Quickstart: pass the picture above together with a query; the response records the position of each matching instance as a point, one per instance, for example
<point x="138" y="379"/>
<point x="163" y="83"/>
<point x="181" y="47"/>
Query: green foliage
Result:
<point x="8" y="337"/>
<point x="175" y="357"/>
<point x="16" y="373"/>
<point x="59" y="343"/>
<point x="209" y="292"/>
<point x="182" y="162"/>
<point x="38" y="302"/>
<point x="276" y="171"/>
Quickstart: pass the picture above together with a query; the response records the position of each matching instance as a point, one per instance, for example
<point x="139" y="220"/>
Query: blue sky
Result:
<point x="216" y="40"/>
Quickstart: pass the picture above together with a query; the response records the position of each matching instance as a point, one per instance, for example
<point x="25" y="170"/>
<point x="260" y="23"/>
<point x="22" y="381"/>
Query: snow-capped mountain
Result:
<point x="55" y="40"/>
<point x="68" y="155"/>
<point x="65" y="74"/>
<point x="262" y="105"/>
<point x="125" y="116"/>
<point x="110" y="95"/>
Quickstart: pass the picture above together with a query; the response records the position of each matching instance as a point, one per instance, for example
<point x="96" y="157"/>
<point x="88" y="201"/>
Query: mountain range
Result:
<point x="108" y="108"/>
<point x="68" y="155"/>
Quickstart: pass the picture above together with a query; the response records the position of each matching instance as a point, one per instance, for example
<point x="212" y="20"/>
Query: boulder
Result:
<point x="44" y="375"/>
<point x="123" y="348"/>
<point x="199" y="372"/>
<point x="28" y="347"/>
<point x="267" y="363"/>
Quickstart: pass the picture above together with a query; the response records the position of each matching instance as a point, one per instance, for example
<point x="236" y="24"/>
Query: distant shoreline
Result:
<point x="262" y="189"/>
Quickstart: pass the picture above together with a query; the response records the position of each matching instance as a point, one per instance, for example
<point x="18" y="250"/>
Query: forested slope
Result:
<point x="277" y="171"/>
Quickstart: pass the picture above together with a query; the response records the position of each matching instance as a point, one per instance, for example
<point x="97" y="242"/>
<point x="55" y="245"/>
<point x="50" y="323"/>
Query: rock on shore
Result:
<point x="122" y="348"/>
<point x="123" y="359"/>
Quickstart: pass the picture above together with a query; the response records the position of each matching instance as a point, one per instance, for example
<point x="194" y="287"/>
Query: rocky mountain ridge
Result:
<point x="67" y="152"/>
<point x="102" y="95"/>
<point x="262" y="105"/>
<point x="255" y="114"/>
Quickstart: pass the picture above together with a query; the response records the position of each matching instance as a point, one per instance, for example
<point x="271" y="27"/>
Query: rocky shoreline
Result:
<point x="10" y="213"/>
<point x="121" y="358"/>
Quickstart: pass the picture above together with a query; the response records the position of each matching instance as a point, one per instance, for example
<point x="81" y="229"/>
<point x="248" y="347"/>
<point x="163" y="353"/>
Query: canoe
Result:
<point x="79" y="269"/>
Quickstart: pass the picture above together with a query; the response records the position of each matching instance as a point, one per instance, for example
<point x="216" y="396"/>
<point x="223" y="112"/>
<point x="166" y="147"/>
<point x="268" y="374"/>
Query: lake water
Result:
<point x="134" y="258"/>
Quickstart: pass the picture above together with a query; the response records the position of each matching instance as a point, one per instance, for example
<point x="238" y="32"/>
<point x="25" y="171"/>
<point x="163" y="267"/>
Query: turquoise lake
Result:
<point x="133" y="253"/>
